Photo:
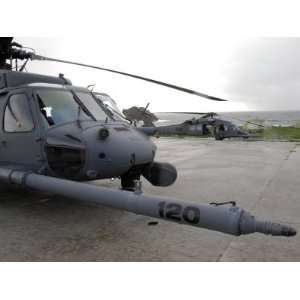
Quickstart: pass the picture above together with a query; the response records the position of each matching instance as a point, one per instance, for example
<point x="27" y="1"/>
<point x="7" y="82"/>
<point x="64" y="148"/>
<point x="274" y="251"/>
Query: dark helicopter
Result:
<point x="55" y="136"/>
<point x="209" y="124"/>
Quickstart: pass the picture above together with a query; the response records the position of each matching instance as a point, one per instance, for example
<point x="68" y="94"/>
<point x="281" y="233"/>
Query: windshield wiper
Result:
<point x="113" y="111"/>
<point x="78" y="116"/>
<point x="43" y="110"/>
<point x="82" y="107"/>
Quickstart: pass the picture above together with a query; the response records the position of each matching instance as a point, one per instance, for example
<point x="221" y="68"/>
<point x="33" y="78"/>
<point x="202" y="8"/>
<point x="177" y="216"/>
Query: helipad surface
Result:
<point x="262" y="177"/>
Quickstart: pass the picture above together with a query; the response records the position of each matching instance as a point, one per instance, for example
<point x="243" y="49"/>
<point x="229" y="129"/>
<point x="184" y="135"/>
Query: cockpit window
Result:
<point x="91" y="104"/>
<point x="112" y="107"/>
<point x="60" y="106"/>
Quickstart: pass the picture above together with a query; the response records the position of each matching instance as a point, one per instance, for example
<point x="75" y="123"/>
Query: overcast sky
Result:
<point x="253" y="73"/>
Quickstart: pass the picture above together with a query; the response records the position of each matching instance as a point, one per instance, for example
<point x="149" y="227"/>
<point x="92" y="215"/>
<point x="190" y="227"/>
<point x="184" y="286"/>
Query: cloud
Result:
<point x="254" y="73"/>
<point x="265" y="73"/>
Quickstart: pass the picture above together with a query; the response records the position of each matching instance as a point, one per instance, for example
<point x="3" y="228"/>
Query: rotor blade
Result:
<point x="260" y="125"/>
<point x="146" y="107"/>
<point x="181" y="112"/>
<point x="172" y="86"/>
<point x="191" y="113"/>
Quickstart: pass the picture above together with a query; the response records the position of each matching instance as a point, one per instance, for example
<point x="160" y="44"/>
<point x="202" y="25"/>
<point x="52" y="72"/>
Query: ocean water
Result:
<point x="267" y="118"/>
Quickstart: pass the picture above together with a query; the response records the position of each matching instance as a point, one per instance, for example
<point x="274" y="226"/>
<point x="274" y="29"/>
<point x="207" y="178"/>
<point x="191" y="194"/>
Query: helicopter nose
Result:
<point x="113" y="150"/>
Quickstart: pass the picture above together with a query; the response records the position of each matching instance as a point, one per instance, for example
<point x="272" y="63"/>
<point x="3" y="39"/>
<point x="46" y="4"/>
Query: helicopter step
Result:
<point x="231" y="220"/>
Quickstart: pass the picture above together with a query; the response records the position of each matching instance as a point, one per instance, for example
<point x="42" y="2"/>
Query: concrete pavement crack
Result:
<point x="270" y="181"/>
<point x="261" y="196"/>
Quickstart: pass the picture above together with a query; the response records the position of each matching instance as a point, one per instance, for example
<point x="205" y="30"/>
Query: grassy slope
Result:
<point x="287" y="133"/>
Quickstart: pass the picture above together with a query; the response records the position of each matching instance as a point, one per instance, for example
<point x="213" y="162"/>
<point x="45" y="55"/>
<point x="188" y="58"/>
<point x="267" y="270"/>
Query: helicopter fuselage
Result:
<point x="218" y="128"/>
<point x="63" y="131"/>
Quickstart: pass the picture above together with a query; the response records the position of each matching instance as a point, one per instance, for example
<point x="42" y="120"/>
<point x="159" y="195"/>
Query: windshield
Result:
<point x="111" y="105"/>
<point x="60" y="106"/>
<point x="91" y="104"/>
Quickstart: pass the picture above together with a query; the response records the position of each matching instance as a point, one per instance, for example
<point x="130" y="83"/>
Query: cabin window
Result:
<point x="17" y="117"/>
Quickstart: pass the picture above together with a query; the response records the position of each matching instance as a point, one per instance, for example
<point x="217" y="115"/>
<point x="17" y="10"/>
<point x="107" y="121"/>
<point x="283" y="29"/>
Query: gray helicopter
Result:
<point x="209" y="124"/>
<point x="56" y="136"/>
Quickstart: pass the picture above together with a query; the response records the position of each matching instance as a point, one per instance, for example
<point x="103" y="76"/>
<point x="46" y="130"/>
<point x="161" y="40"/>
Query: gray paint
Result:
<point x="230" y="220"/>
<point x="32" y="159"/>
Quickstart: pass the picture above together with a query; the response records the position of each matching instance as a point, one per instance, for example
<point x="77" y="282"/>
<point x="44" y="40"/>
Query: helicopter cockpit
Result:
<point x="71" y="133"/>
<point x="59" y="106"/>
<point x="111" y="106"/>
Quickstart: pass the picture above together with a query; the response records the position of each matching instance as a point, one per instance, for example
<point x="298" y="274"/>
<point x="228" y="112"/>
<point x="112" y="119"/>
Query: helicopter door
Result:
<point x="20" y="144"/>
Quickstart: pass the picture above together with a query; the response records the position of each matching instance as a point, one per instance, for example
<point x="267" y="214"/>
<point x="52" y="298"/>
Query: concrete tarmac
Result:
<point x="262" y="177"/>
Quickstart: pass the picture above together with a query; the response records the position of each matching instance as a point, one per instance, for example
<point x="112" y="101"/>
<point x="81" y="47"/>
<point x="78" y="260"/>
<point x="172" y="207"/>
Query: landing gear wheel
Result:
<point x="218" y="138"/>
<point x="128" y="183"/>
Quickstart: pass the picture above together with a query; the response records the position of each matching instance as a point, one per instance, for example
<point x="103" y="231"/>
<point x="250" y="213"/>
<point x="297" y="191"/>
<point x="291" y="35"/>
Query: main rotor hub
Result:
<point x="10" y="50"/>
